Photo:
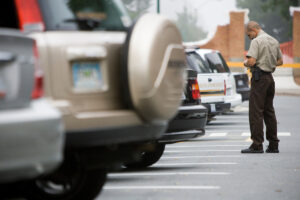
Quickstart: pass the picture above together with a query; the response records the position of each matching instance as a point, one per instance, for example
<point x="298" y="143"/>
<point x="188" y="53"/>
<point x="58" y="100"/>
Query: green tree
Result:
<point x="272" y="15"/>
<point x="137" y="7"/>
<point x="187" y="24"/>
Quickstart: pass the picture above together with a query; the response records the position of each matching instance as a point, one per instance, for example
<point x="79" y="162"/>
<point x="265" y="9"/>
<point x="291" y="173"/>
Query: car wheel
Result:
<point x="71" y="182"/>
<point x="148" y="158"/>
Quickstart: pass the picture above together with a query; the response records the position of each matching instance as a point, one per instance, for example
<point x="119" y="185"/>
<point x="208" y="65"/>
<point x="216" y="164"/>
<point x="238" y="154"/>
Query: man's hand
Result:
<point x="250" y="62"/>
<point x="245" y="63"/>
<point x="279" y="62"/>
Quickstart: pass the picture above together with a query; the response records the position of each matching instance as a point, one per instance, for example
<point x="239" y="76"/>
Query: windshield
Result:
<point x="196" y="63"/>
<point x="84" y="15"/>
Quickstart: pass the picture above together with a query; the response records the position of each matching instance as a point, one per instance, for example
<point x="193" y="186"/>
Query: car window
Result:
<point x="84" y="15"/>
<point x="216" y="63"/>
<point x="224" y="62"/>
<point x="196" y="63"/>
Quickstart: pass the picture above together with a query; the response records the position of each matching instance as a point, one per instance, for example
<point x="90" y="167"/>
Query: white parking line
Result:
<point x="225" y="130"/>
<point x="226" y="127"/>
<point x="232" y="117"/>
<point x="217" y="135"/>
<point x="165" y="187"/>
<point x="283" y="134"/>
<point x="199" y="146"/>
<point x="166" y="174"/>
<point x="217" y="156"/>
<point x="185" y="164"/>
<point x="246" y="134"/>
<point x="202" y="150"/>
<point x="205" y="139"/>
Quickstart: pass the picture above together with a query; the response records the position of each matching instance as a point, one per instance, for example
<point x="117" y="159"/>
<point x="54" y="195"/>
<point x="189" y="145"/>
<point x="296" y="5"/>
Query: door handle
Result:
<point x="209" y="80"/>
<point x="6" y="57"/>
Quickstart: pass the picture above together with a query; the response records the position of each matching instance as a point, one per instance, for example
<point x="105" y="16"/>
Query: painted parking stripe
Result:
<point x="209" y="145"/>
<point x="189" y="164"/>
<point x="165" y="187"/>
<point x="217" y="134"/>
<point x="224" y="131"/>
<point x="204" y="150"/>
<point x="215" y="156"/>
<point x="226" y="126"/>
<point x="166" y="174"/>
<point x="247" y="134"/>
<point x="213" y="140"/>
<point x="283" y="134"/>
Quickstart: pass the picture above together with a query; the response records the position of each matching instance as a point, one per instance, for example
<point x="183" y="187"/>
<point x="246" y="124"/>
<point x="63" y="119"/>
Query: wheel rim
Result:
<point x="64" y="181"/>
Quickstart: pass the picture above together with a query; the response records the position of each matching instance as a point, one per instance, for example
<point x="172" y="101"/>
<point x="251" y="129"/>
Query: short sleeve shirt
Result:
<point x="265" y="49"/>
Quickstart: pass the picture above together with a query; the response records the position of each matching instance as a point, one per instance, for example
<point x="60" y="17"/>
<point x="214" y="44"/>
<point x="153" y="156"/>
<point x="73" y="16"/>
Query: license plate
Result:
<point x="240" y="83"/>
<point x="212" y="107"/>
<point x="87" y="75"/>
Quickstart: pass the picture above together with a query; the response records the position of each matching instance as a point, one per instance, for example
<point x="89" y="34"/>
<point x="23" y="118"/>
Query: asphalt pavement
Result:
<point x="212" y="167"/>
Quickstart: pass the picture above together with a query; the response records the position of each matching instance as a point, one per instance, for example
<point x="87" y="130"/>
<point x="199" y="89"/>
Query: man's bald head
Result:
<point x="253" y="25"/>
<point x="252" y="29"/>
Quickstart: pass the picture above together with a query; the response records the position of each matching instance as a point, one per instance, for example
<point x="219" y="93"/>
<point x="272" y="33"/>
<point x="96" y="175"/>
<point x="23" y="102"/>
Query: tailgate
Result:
<point x="16" y="69"/>
<point x="211" y="87"/>
<point x="82" y="68"/>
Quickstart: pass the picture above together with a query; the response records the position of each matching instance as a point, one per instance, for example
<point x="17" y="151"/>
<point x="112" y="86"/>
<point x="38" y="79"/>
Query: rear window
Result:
<point x="84" y="15"/>
<point x="196" y="63"/>
<point x="217" y="63"/>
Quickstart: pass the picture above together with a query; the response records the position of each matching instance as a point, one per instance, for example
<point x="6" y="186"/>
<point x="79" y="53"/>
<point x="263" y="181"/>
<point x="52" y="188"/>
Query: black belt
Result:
<point x="265" y="72"/>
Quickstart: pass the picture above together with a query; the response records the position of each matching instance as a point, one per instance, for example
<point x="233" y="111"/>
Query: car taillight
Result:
<point x="195" y="89"/>
<point x="38" y="90"/>
<point x="29" y="15"/>
<point x="225" y="87"/>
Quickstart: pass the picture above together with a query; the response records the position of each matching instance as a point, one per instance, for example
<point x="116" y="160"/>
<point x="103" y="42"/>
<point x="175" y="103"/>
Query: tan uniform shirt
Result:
<point x="265" y="49"/>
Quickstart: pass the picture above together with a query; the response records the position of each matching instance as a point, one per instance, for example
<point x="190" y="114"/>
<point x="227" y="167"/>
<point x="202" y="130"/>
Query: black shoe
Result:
<point x="272" y="150"/>
<point x="251" y="150"/>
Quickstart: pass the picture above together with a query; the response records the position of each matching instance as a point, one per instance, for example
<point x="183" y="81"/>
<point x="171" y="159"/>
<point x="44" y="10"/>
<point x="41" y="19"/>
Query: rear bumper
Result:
<point x="31" y="141"/>
<point x="189" y="123"/>
<point x="114" y="135"/>
<point x="189" y="118"/>
<point x="245" y="92"/>
<point x="217" y="108"/>
<point x="234" y="100"/>
<point x="181" y="135"/>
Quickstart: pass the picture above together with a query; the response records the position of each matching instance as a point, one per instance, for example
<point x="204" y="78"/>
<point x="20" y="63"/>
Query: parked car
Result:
<point x="212" y="85"/>
<point x="237" y="87"/>
<point x="31" y="129"/>
<point x="116" y="86"/>
<point x="189" y="123"/>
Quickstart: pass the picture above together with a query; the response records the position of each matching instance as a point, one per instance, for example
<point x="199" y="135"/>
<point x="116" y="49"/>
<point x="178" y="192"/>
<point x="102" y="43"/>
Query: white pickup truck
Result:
<point x="237" y="87"/>
<point x="212" y="85"/>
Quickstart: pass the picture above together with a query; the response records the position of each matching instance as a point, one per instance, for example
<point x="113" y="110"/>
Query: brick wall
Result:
<point x="296" y="36"/>
<point x="236" y="36"/>
<point x="296" y="41"/>
<point x="230" y="39"/>
<point x="219" y="41"/>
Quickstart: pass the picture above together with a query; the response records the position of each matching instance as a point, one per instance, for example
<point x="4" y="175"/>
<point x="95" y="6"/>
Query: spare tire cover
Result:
<point x="156" y="68"/>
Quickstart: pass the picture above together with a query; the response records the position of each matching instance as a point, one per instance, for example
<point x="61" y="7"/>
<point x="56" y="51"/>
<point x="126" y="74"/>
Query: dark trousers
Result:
<point x="261" y="110"/>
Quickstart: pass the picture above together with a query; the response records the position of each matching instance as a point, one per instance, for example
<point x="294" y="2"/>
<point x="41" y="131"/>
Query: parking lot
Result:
<point x="212" y="167"/>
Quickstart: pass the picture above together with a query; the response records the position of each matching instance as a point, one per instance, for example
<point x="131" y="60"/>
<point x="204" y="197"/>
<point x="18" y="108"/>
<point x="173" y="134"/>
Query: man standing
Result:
<point x="262" y="58"/>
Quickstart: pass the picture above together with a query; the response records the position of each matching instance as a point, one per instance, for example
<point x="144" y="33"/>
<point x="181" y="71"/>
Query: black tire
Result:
<point x="71" y="182"/>
<point x="147" y="158"/>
